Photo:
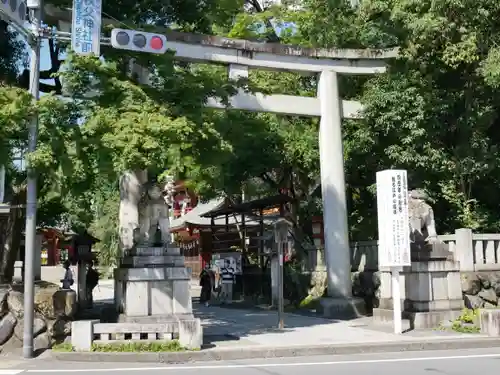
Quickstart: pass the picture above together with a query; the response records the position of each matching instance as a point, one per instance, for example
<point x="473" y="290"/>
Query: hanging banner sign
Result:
<point x="86" y="27"/>
<point x="393" y="220"/>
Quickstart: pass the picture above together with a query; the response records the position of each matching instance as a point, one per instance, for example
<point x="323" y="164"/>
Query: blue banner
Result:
<point x="86" y="27"/>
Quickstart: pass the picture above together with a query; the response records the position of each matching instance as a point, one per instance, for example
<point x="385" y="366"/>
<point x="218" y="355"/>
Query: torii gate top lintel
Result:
<point x="275" y="56"/>
<point x="246" y="46"/>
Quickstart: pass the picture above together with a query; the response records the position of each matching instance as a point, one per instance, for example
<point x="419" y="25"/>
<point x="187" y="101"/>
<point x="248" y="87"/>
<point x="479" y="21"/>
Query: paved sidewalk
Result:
<point x="235" y="327"/>
<point x="235" y="334"/>
<point x="238" y="334"/>
<point x="228" y="327"/>
<point x="9" y="363"/>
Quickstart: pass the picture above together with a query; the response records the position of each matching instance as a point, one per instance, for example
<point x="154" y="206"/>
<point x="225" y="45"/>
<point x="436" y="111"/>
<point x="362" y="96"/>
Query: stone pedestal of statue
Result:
<point x="153" y="282"/>
<point x="152" y="288"/>
<point x="431" y="288"/>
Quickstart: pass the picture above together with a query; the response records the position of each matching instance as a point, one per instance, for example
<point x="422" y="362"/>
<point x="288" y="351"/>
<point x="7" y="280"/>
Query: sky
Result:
<point x="45" y="60"/>
<point x="44" y="56"/>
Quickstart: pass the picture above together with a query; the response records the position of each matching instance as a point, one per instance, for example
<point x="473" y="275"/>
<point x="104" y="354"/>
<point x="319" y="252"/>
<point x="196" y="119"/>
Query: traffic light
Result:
<point x="15" y="10"/>
<point x="140" y="41"/>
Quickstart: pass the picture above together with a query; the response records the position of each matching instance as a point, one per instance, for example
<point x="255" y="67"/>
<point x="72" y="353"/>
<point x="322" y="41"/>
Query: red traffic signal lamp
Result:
<point x="139" y="41"/>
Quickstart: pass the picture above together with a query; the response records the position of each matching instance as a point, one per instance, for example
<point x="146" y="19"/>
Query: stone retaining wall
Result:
<point x="54" y="310"/>
<point x="481" y="289"/>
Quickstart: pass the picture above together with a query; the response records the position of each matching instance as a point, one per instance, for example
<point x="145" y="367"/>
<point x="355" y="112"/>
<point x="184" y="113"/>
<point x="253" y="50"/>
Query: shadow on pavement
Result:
<point x="233" y="323"/>
<point x="209" y="341"/>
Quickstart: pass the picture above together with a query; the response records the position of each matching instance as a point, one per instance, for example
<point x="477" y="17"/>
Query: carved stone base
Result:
<point x="153" y="251"/>
<point x="153" y="261"/>
<point x="153" y="282"/>
<point x="423" y="251"/>
<point x="156" y="298"/>
<point x="416" y="320"/>
<point x="430" y="293"/>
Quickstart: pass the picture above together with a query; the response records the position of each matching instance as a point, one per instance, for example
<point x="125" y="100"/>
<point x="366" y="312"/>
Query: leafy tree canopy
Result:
<point x="433" y="113"/>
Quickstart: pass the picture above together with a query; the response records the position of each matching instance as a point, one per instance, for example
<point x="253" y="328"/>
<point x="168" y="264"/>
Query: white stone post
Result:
<point x="464" y="249"/>
<point x="82" y="334"/>
<point x="337" y="253"/>
<point x="190" y="333"/>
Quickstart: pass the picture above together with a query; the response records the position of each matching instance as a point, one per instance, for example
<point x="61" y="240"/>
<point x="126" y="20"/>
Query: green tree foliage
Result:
<point x="436" y="110"/>
<point x="105" y="205"/>
<point x="433" y="113"/>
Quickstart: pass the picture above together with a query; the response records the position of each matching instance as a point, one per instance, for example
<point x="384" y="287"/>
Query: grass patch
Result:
<point x="62" y="347"/>
<point x="128" y="347"/>
<point x="467" y="322"/>
<point x="310" y="302"/>
<point x="132" y="347"/>
<point x="462" y="328"/>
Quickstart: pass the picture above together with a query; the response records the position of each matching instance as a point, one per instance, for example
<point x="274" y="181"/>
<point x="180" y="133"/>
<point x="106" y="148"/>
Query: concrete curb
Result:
<point x="277" y="352"/>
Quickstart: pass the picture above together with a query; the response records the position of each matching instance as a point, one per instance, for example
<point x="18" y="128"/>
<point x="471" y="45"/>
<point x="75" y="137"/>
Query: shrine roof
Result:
<point x="250" y="206"/>
<point x="197" y="217"/>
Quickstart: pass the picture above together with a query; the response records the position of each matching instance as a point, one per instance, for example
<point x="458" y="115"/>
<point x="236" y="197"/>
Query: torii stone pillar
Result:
<point x="336" y="233"/>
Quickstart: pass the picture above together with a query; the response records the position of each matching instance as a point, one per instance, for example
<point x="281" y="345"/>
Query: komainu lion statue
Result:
<point x="131" y="190"/>
<point x="154" y="213"/>
<point x="144" y="208"/>
<point x="422" y="224"/>
<point x="425" y="243"/>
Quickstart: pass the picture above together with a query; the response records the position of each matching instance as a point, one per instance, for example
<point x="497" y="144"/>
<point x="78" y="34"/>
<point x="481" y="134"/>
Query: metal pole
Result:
<point x="280" y="285"/>
<point x="31" y="200"/>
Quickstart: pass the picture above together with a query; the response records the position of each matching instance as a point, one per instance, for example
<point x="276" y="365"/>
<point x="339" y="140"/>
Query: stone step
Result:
<point x="152" y="274"/>
<point x="153" y="261"/>
<point x="161" y="319"/>
<point x="155" y="251"/>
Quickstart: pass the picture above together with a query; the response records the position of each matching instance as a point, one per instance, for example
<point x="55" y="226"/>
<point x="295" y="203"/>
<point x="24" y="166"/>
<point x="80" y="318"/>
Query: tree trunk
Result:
<point x="12" y="230"/>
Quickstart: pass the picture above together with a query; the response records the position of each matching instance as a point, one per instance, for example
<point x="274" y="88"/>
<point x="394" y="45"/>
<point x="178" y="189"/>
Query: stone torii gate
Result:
<point x="242" y="55"/>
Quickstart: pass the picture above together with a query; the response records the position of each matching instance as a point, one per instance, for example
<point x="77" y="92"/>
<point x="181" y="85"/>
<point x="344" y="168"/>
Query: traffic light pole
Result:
<point x="31" y="201"/>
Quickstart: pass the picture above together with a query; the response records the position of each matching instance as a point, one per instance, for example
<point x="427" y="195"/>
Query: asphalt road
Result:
<point x="457" y="362"/>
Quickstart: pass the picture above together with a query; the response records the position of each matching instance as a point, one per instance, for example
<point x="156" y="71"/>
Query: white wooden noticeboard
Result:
<point x="393" y="220"/>
<point x="234" y="258"/>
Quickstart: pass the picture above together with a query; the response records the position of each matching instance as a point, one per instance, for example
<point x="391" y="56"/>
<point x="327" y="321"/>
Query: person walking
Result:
<point x="91" y="281"/>
<point x="227" y="278"/>
<point x="68" y="280"/>
<point x="206" y="285"/>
